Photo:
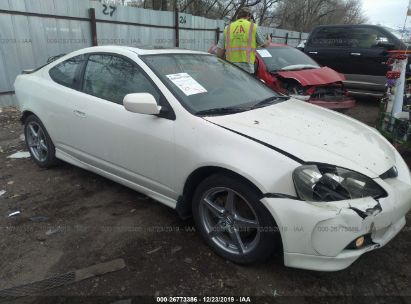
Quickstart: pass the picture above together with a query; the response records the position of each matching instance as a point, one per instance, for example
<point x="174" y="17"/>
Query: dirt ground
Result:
<point x="82" y="219"/>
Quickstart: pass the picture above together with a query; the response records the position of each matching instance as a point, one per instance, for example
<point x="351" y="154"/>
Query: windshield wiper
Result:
<point x="295" y="67"/>
<point x="232" y="110"/>
<point x="223" y="111"/>
<point x="269" y="101"/>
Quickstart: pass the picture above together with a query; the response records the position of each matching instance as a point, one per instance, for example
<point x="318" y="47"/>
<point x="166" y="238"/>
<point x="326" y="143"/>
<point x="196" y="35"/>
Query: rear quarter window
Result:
<point x="66" y="73"/>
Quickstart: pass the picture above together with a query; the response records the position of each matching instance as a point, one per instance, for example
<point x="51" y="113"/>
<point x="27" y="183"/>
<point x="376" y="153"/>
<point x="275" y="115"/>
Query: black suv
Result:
<point x="358" y="51"/>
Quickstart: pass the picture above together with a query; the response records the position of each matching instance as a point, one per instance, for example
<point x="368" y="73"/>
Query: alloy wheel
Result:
<point x="230" y="220"/>
<point x="36" y="141"/>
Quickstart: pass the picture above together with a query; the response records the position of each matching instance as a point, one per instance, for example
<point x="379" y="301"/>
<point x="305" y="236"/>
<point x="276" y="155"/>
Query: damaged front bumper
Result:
<point x="316" y="236"/>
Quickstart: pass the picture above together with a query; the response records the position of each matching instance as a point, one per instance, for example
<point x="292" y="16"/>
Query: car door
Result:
<point x="132" y="146"/>
<point x="330" y="46"/>
<point x="368" y="55"/>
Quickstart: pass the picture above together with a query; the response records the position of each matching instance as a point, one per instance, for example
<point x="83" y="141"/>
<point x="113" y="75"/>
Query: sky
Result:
<point x="390" y="13"/>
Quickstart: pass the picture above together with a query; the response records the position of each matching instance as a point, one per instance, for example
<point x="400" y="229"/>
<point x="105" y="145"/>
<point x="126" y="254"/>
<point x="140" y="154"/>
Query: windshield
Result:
<point x="284" y="58"/>
<point x="395" y="32"/>
<point x="205" y="82"/>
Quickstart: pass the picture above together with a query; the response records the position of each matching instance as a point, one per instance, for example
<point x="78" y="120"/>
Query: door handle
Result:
<point x="355" y="54"/>
<point x="315" y="53"/>
<point x="79" y="113"/>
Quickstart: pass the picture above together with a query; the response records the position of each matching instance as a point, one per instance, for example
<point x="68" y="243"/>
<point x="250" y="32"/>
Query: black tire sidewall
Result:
<point x="51" y="155"/>
<point x="269" y="238"/>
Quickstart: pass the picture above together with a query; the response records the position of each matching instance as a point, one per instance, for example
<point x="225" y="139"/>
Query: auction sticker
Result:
<point x="264" y="53"/>
<point x="186" y="83"/>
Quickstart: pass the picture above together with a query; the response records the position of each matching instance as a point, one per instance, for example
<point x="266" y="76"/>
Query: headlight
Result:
<point x="325" y="183"/>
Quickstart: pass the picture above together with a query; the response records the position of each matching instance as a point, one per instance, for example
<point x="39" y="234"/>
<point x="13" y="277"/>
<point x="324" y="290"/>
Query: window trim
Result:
<point x="166" y="111"/>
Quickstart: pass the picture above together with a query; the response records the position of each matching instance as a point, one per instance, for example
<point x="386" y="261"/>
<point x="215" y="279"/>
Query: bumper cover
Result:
<point x="315" y="235"/>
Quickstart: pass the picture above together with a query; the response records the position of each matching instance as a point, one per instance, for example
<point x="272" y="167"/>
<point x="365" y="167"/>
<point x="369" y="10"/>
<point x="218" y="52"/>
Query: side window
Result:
<point x="331" y="37"/>
<point x="65" y="73"/>
<point x="366" y="38"/>
<point x="111" y="78"/>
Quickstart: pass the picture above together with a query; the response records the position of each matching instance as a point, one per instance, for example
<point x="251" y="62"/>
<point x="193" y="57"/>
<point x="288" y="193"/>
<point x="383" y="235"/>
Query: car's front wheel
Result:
<point x="230" y="217"/>
<point x="39" y="143"/>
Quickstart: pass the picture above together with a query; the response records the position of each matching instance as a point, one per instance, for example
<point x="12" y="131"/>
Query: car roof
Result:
<point x="144" y="50"/>
<point x="349" y="25"/>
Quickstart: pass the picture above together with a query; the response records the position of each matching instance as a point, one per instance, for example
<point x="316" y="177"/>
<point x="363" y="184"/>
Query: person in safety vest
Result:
<point x="240" y="40"/>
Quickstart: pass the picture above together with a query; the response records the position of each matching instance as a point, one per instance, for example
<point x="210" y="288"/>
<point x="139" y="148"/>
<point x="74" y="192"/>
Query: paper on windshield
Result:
<point x="264" y="53"/>
<point x="186" y="83"/>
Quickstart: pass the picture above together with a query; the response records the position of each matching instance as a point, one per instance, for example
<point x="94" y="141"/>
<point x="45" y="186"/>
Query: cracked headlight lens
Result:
<point x="326" y="183"/>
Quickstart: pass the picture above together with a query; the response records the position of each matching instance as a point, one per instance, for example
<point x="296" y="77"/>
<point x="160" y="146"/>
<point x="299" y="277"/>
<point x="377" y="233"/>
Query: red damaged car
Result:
<point x="290" y="71"/>
<point x="287" y="70"/>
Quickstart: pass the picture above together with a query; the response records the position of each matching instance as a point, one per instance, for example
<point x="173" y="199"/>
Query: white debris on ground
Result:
<point x="20" y="154"/>
<point x="53" y="231"/>
<point x="22" y="138"/>
<point x="2" y="192"/>
<point x="14" y="213"/>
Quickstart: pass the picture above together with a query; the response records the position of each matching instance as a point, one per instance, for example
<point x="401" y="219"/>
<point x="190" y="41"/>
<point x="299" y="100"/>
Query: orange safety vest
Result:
<point x="241" y="43"/>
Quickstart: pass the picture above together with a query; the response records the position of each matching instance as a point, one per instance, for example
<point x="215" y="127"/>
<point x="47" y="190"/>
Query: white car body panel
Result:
<point x="156" y="156"/>
<point x="324" y="133"/>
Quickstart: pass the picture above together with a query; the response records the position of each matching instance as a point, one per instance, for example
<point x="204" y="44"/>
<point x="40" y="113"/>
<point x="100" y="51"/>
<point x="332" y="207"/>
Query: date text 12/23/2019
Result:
<point x="220" y="299"/>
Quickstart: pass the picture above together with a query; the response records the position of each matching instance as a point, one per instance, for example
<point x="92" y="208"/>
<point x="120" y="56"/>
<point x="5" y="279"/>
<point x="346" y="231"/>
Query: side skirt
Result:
<point x="152" y="194"/>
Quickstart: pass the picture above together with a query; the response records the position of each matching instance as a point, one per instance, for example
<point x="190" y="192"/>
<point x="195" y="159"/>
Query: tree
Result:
<point x="264" y="11"/>
<point x="303" y="15"/>
<point x="298" y="15"/>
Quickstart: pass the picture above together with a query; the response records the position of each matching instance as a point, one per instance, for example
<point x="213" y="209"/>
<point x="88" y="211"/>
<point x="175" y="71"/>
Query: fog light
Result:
<point x="359" y="242"/>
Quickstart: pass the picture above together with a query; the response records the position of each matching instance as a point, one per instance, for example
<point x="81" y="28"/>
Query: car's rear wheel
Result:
<point x="232" y="220"/>
<point x="39" y="143"/>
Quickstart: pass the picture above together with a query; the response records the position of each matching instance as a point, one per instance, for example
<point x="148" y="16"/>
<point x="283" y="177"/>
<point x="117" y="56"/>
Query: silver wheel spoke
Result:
<point x="32" y="131"/>
<point x="40" y="134"/>
<point x="214" y="208"/>
<point x="43" y="146"/>
<point x="236" y="238"/>
<point x="243" y="223"/>
<point x="229" y="203"/>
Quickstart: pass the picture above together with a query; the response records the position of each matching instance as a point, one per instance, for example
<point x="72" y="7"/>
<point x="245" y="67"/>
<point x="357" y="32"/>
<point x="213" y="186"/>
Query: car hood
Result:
<point x="318" y="76"/>
<point x="314" y="134"/>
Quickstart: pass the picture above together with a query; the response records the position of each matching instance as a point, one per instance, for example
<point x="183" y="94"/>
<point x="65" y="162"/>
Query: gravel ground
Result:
<point x="88" y="219"/>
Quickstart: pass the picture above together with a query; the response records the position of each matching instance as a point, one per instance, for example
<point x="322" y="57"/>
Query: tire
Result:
<point x="41" y="147"/>
<point x="222" y="228"/>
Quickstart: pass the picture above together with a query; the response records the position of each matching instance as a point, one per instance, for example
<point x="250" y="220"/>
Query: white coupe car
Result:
<point x="258" y="171"/>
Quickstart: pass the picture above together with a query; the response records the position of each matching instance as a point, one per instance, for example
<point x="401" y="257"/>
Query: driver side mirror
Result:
<point x="142" y="103"/>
